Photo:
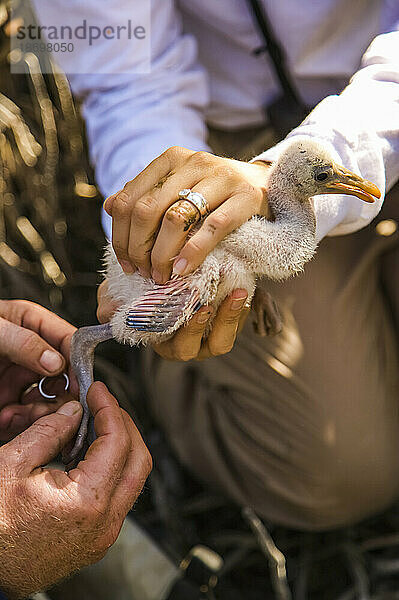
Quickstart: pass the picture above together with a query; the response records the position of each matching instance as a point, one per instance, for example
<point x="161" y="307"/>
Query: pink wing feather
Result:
<point x="164" y="306"/>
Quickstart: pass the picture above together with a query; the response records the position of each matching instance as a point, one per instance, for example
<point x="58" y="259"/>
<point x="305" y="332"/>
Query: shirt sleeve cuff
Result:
<point x="336" y="214"/>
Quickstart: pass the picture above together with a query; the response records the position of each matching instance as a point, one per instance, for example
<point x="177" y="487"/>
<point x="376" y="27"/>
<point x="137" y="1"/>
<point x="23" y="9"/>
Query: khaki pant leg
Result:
<point x="304" y="426"/>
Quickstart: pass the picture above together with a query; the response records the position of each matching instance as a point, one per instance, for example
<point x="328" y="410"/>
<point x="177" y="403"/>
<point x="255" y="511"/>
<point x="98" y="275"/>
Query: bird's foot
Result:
<point x="268" y="319"/>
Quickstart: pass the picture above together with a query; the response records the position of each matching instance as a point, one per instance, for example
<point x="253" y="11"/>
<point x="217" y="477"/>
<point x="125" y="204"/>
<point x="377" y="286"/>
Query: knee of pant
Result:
<point x="353" y="485"/>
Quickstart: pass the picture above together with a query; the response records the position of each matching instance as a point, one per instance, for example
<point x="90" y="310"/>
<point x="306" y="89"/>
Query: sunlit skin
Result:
<point x="276" y="248"/>
<point x="74" y="517"/>
<point x="209" y="169"/>
<point x="151" y="236"/>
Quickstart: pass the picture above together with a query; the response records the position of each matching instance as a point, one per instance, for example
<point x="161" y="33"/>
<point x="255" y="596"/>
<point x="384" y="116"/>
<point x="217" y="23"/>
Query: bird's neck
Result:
<point x="277" y="248"/>
<point x="285" y="192"/>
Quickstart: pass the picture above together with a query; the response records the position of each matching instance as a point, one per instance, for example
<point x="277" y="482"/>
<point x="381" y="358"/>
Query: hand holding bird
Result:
<point x="276" y="247"/>
<point x="151" y="231"/>
<point x="189" y="342"/>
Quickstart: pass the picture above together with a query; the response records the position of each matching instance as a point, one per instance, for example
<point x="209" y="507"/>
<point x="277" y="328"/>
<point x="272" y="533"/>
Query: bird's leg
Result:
<point x="268" y="318"/>
<point x="84" y="342"/>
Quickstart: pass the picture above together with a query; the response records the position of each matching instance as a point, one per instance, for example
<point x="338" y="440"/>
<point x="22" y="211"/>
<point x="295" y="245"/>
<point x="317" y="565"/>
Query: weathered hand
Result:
<point x="52" y="522"/>
<point x="149" y="231"/>
<point x="33" y="342"/>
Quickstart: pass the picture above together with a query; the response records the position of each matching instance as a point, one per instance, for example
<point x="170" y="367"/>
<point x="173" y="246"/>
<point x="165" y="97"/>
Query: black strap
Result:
<point x="289" y="109"/>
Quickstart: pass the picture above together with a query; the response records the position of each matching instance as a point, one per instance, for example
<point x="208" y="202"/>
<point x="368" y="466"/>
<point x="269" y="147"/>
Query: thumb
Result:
<point x="108" y="203"/>
<point x="26" y="348"/>
<point x="44" y="440"/>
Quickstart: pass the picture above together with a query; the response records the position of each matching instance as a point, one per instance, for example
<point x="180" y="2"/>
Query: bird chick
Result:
<point x="277" y="249"/>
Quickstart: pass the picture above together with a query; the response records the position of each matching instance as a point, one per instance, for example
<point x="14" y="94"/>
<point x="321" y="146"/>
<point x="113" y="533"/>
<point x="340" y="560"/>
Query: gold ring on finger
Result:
<point x="197" y="200"/>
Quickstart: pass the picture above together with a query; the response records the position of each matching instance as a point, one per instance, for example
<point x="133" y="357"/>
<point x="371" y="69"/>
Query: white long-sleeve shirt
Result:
<point x="203" y="69"/>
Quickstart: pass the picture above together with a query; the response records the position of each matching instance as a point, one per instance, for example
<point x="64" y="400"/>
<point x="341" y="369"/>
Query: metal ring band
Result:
<point x="197" y="200"/>
<point x="51" y="396"/>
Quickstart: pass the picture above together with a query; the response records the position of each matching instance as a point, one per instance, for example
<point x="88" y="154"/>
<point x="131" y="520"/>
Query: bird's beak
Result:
<point x="346" y="182"/>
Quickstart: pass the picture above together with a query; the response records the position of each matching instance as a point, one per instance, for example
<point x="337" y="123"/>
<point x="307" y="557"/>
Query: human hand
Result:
<point x="188" y="343"/>
<point x="149" y="226"/>
<point x="51" y="522"/>
<point x="33" y="343"/>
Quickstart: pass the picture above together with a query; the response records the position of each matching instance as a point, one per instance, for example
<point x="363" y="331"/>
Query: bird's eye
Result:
<point x="322" y="176"/>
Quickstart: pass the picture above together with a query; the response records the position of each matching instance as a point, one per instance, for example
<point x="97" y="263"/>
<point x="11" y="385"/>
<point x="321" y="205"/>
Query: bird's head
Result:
<point x="308" y="168"/>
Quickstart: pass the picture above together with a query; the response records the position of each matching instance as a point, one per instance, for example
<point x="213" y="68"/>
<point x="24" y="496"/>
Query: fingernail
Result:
<point x="203" y="317"/>
<point x="126" y="266"/>
<point x="157" y="276"/>
<point x="237" y="303"/>
<point x="70" y="408"/>
<point x="51" y="361"/>
<point x="179" y="266"/>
